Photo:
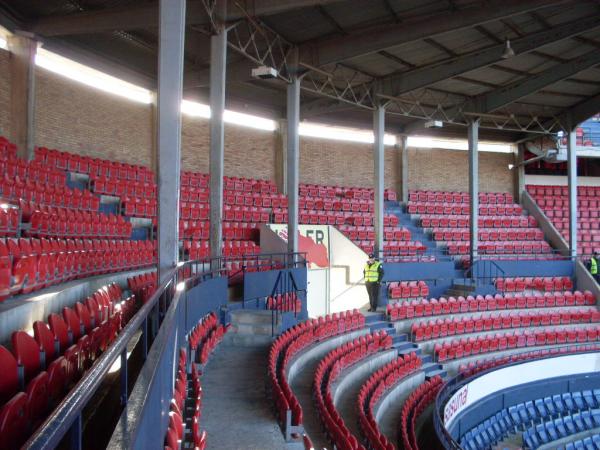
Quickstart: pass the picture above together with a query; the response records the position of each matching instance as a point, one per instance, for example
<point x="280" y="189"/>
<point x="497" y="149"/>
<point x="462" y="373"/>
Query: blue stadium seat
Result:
<point x="590" y="401"/>
<point x="578" y="399"/>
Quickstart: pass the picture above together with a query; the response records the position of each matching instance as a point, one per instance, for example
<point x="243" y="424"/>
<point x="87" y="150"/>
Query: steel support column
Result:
<point x="293" y="161"/>
<point x="572" y="182"/>
<point x="23" y="49"/>
<point x="218" y="61"/>
<point x="473" y="189"/>
<point x="404" y="168"/>
<point x="170" y="84"/>
<point x="378" y="176"/>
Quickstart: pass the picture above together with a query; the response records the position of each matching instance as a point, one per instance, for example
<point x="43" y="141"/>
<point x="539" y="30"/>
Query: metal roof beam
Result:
<point x="380" y="37"/>
<point x="506" y="95"/>
<point x="145" y="15"/>
<point x="580" y="112"/>
<point x="404" y="82"/>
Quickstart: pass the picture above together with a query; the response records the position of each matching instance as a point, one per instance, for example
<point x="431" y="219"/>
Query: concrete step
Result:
<point x="436" y="372"/>
<point x="382" y="325"/>
<point x="404" y="348"/>
<point x="426" y="358"/>
<point x="251" y="316"/>
<point x="396" y="339"/>
<point x="374" y="317"/>
<point x="246" y="340"/>
<point x="430" y="367"/>
<point x="253" y="328"/>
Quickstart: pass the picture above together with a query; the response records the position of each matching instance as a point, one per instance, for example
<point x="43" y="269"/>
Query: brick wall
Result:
<point x="436" y="169"/>
<point x="76" y="118"/>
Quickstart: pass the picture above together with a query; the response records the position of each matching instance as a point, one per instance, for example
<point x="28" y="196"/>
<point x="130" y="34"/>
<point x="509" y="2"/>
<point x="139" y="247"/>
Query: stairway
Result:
<point x="250" y="328"/>
<point x="416" y="232"/>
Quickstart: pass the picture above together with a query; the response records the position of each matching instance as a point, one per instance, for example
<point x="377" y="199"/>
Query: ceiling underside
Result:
<point x="422" y="59"/>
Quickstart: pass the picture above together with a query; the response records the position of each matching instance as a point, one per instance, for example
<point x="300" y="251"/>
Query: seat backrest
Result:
<point x="9" y="375"/>
<point x="13" y="422"/>
<point x="27" y="352"/>
<point x="60" y="330"/>
<point x="45" y="339"/>
<point x="72" y="322"/>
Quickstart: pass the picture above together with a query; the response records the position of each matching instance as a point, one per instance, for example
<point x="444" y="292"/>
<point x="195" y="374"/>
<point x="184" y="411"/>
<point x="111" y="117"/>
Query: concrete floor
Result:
<point x="235" y="410"/>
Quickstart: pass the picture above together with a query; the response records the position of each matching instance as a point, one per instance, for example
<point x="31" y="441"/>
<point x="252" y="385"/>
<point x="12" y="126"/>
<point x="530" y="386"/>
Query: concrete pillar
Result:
<point x="473" y="188"/>
<point x="378" y="176"/>
<point x="404" y="169"/>
<point x="281" y="156"/>
<point x="572" y="183"/>
<point x="22" y="49"/>
<point x="218" y="61"/>
<point x="170" y="86"/>
<point x="154" y="133"/>
<point x="293" y="161"/>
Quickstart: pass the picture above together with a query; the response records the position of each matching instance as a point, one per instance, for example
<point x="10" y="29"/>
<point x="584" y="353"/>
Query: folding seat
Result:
<point x="37" y="398"/>
<point x="29" y="354"/>
<point x="14" y="422"/>
<point x="60" y="330"/>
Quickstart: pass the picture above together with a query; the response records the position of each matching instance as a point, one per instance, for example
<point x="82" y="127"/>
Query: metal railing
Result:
<point x="457" y="382"/>
<point x="66" y="419"/>
<point x="484" y="270"/>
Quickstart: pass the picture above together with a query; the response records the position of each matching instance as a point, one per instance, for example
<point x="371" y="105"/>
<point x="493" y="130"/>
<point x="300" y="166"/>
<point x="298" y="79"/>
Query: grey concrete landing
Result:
<point x="236" y="412"/>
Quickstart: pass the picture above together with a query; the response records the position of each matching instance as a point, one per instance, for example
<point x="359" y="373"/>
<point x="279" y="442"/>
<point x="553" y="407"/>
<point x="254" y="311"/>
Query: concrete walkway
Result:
<point x="235" y="410"/>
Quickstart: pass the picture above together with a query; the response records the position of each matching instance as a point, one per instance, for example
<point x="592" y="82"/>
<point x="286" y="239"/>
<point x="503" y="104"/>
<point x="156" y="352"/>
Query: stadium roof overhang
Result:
<point x="434" y="60"/>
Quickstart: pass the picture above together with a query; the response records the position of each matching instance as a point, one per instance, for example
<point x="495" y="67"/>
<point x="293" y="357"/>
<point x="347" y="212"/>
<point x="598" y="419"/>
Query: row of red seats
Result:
<point x="95" y="167"/>
<point x="139" y="207"/>
<point x="179" y="413"/>
<point x="194" y="179"/>
<point x="564" y="213"/>
<point x="123" y="188"/>
<point x="27" y="265"/>
<point x="413" y="407"/>
<point x="463" y="209"/>
<point x="493" y="221"/>
<point x="144" y="285"/>
<point x="57" y="195"/>
<point x="232" y="231"/>
<point x="328" y="369"/>
<point x="474" y="367"/>
<point x="458" y="197"/>
<point x="583" y="224"/>
<point x="8" y="150"/>
<point x="393" y="248"/>
<point x="288" y="301"/>
<point x="407" y="289"/>
<point x="72" y="223"/>
<point x="547" y="284"/>
<point x="249" y="185"/>
<point x="273" y="200"/>
<point x="373" y="389"/>
<point x="356" y="193"/>
<point x="368" y="232"/>
<point x="440" y="328"/>
<point x="560" y="202"/>
<point x="460" y="348"/>
<point x="511" y="234"/>
<point x="205" y="336"/>
<point x="502" y="248"/>
<point x="9" y="219"/>
<point x="45" y="366"/>
<point x="562" y="191"/>
<point x="198" y="250"/>
<point x="31" y="171"/>
<point x="292" y="342"/>
<point x="498" y="302"/>
<point x="319" y="204"/>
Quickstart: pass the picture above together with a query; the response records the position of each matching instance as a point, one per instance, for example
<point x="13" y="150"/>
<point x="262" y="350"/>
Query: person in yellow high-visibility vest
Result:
<point x="373" y="274"/>
<point x="594" y="266"/>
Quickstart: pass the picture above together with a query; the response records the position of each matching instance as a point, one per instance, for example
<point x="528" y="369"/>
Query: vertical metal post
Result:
<point x="76" y="434"/>
<point x="123" y="371"/>
<point x="520" y="173"/>
<point x="293" y="159"/>
<point x="170" y="84"/>
<point x="572" y="182"/>
<point x="404" y="150"/>
<point x="473" y="189"/>
<point x="218" y="61"/>
<point x="281" y="156"/>
<point x="378" y="176"/>
<point x="145" y="338"/>
<point x="23" y="48"/>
